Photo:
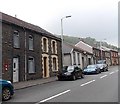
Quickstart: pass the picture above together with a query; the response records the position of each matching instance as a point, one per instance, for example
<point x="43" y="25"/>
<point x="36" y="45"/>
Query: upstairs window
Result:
<point x="16" y="40"/>
<point x="44" y="44"/>
<point x="53" y="44"/>
<point x="54" y="47"/>
<point x="30" y="42"/>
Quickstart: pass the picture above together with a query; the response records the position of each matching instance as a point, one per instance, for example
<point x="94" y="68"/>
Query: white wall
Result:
<point x="67" y="60"/>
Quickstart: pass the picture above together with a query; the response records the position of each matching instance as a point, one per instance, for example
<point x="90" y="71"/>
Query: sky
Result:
<point x="89" y="18"/>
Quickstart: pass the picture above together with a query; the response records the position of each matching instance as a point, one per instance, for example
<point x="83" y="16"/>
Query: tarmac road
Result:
<point x="93" y="88"/>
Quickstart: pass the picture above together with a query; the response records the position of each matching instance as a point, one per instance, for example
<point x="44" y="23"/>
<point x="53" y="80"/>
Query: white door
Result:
<point x="15" y="70"/>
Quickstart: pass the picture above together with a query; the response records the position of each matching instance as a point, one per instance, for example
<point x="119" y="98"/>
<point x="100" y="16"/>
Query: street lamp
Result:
<point x="62" y="36"/>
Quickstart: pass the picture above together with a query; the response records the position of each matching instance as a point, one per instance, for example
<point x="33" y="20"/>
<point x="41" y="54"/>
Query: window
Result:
<point x="78" y="58"/>
<point x="30" y="42"/>
<point x="16" y="41"/>
<point x="74" y="59"/>
<point x="31" y="65"/>
<point x="53" y="44"/>
<point x="44" y="44"/>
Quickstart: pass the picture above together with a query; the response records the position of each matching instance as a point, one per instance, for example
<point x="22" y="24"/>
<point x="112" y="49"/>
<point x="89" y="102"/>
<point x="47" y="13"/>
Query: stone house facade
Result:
<point x="87" y="56"/>
<point x="28" y="51"/>
<point x="76" y="56"/>
<point x="114" y="57"/>
<point x="96" y="54"/>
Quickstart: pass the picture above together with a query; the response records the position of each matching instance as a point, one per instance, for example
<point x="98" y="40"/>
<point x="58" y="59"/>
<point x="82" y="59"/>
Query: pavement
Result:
<point x="30" y="83"/>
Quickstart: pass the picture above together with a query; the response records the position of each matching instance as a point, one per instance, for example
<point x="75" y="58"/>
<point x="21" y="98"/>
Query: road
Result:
<point x="93" y="88"/>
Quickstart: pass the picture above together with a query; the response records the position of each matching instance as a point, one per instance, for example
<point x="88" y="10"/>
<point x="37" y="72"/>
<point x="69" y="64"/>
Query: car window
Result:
<point x="70" y="68"/>
<point x="101" y="62"/>
<point x="91" y="66"/>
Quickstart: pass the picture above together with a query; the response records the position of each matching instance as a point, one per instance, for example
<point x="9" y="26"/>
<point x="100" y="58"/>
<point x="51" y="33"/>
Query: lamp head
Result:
<point x="68" y="16"/>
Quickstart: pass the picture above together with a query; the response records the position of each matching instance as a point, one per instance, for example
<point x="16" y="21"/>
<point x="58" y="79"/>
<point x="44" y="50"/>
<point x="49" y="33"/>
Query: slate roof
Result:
<point x="13" y="20"/>
<point x="67" y="48"/>
<point x="85" y="47"/>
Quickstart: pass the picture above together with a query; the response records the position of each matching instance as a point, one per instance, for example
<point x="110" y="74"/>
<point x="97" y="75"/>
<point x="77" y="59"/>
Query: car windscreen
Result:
<point x="101" y="62"/>
<point x="70" y="68"/>
<point x="91" y="66"/>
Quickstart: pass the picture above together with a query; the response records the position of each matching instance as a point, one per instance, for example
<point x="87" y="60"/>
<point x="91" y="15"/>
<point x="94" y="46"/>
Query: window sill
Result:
<point x="32" y="73"/>
<point x="16" y="47"/>
<point x="54" y="70"/>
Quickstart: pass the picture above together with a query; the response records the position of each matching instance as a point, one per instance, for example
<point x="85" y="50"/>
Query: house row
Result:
<point x="83" y="54"/>
<point x="28" y="51"/>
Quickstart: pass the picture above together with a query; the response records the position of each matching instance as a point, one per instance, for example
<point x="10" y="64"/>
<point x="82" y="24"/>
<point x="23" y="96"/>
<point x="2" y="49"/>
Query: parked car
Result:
<point x="92" y="69"/>
<point x="6" y="89"/>
<point x="70" y="72"/>
<point x="102" y="65"/>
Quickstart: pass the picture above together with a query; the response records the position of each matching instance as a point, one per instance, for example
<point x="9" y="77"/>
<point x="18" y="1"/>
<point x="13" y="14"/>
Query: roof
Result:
<point x="67" y="48"/>
<point x="85" y="47"/>
<point x="13" y="20"/>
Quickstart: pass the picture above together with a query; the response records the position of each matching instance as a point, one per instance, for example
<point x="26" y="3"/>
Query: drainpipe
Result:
<point x="25" y="56"/>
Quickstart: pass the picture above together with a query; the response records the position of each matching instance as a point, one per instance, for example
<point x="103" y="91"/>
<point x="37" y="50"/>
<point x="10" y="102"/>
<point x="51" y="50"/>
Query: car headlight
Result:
<point x="9" y="82"/>
<point x="101" y="67"/>
<point x="95" y="70"/>
<point x="67" y="73"/>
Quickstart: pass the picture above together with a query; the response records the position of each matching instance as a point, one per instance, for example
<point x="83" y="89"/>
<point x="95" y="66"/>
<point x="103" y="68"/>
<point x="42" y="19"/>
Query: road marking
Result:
<point x="112" y="72"/>
<point x="54" y="96"/>
<point x="116" y="71"/>
<point x="87" y="83"/>
<point x="103" y="76"/>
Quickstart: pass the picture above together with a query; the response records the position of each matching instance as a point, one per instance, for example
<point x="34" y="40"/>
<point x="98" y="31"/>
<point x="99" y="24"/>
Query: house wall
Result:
<point x="67" y="60"/>
<point x="114" y="57"/>
<point x="9" y="52"/>
<point x="0" y="48"/>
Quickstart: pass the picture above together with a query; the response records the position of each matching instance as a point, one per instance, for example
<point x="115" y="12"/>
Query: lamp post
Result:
<point x="62" y="36"/>
<point x="101" y="48"/>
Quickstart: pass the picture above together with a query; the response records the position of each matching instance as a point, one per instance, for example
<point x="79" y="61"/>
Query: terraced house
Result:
<point x="28" y="51"/>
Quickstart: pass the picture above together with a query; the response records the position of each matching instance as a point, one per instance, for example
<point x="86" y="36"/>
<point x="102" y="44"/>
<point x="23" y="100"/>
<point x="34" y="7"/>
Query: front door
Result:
<point x="15" y="70"/>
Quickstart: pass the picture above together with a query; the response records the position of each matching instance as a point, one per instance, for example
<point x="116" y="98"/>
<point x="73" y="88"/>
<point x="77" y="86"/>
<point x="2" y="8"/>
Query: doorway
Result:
<point x="15" y="69"/>
<point x="45" y="67"/>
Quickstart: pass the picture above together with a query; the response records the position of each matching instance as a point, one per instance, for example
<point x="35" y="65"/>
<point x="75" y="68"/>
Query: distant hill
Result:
<point x="91" y="41"/>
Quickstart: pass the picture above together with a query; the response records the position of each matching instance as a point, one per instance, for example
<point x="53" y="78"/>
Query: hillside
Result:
<point x="91" y="41"/>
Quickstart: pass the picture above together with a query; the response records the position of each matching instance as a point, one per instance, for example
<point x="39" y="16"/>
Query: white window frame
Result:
<point x="16" y="39"/>
<point x="31" y="42"/>
<point x="31" y="66"/>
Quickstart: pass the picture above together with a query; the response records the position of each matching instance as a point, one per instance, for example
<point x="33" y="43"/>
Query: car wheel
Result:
<point x="6" y="94"/>
<point x="107" y="69"/>
<point x="97" y="71"/>
<point x="82" y="76"/>
<point x="104" y="70"/>
<point x="74" y="77"/>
